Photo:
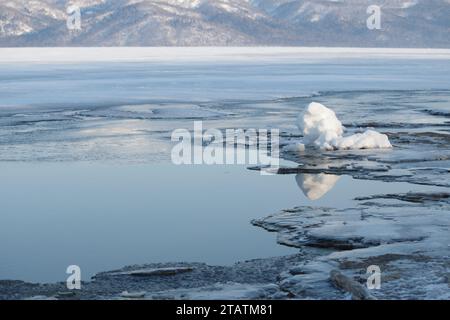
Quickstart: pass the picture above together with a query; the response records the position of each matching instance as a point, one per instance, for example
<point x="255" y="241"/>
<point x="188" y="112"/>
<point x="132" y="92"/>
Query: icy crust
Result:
<point x="321" y="128"/>
<point x="158" y="111"/>
<point x="223" y="291"/>
<point x="402" y="243"/>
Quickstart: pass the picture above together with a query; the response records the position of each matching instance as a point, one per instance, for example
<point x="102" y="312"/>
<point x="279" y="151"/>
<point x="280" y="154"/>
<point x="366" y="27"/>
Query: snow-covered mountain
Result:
<point x="404" y="23"/>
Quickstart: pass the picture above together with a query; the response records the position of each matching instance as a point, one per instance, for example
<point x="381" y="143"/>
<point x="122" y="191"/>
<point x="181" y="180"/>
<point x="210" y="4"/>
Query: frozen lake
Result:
<point x="86" y="177"/>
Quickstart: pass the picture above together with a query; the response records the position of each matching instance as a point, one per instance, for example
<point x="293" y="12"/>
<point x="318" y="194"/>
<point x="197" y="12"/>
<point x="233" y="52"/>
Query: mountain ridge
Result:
<point x="404" y="23"/>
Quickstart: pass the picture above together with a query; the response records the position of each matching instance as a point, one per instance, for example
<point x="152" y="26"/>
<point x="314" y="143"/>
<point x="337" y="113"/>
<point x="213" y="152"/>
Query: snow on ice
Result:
<point x="321" y="128"/>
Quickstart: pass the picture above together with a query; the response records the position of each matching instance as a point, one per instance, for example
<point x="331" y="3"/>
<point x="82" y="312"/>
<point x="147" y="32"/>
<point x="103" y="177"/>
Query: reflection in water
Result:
<point x="315" y="186"/>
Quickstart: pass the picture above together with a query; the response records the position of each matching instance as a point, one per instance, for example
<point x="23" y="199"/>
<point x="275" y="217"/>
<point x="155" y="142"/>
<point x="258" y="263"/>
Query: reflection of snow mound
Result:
<point x="321" y="128"/>
<point x="315" y="186"/>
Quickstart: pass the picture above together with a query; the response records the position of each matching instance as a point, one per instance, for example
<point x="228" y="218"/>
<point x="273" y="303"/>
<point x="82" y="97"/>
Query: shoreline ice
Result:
<point x="208" y="54"/>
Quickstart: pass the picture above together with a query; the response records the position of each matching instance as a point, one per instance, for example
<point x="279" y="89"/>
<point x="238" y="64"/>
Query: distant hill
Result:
<point x="404" y="23"/>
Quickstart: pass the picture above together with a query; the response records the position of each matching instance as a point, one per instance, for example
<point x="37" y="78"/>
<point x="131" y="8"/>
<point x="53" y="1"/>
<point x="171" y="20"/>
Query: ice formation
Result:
<point x="321" y="128"/>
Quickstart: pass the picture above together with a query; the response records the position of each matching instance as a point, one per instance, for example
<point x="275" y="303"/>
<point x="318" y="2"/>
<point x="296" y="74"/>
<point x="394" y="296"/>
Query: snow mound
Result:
<point x="319" y="124"/>
<point x="321" y="128"/>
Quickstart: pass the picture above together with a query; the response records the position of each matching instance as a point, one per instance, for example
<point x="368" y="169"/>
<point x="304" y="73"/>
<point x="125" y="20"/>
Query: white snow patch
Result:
<point x="370" y="139"/>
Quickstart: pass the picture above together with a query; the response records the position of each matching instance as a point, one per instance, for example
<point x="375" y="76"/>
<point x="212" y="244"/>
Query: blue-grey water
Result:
<point x="85" y="171"/>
